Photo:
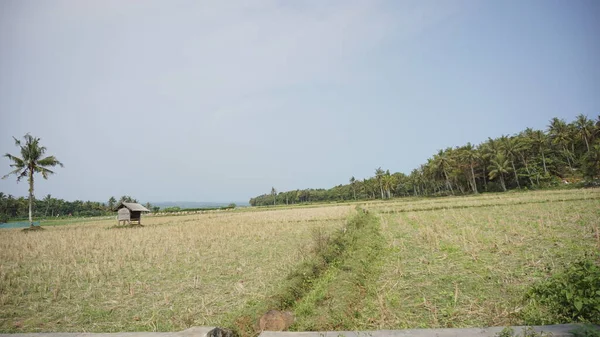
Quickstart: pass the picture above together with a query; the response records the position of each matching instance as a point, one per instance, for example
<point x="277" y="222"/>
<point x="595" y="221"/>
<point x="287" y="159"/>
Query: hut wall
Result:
<point x="124" y="214"/>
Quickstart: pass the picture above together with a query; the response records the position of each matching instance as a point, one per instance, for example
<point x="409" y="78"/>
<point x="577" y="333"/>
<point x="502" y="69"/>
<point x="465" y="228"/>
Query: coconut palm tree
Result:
<point x="512" y="147"/>
<point x="592" y="161"/>
<point x="469" y="154"/>
<point x="32" y="161"/>
<point x="353" y="184"/>
<point x="111" y="203"/>
<point x="499" y="166"/>
<point x="561" y="136"/>
<point x="388" y="181"/>
<point x="585" y="129"/>
<point x="379" y="175"/>
<point x="274" y="194"/>
<point x="539" y="140"/>
<point x="443" y="163"/>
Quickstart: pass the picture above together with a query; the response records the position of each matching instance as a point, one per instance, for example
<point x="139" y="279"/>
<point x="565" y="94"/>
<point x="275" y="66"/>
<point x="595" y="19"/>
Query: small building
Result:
<point x="130" y="212"/>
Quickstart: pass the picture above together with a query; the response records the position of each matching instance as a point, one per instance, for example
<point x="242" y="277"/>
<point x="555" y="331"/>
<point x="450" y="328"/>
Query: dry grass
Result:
<point x="470" y="264"/>
<point x="444" y="262"/>
<point x="173" y="273"/>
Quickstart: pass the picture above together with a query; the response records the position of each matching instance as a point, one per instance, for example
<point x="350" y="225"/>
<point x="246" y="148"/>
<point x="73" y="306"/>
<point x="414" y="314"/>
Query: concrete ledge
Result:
<point x="198" y="331"/>
<point x="560" y="330"/>
<point x="556" y="331"/>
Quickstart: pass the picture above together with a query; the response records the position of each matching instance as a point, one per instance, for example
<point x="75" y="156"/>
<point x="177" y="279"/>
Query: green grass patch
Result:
<point x="339" y="271"/>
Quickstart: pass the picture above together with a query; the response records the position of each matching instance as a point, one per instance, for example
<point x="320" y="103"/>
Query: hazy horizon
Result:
<point x="214" y="101"/>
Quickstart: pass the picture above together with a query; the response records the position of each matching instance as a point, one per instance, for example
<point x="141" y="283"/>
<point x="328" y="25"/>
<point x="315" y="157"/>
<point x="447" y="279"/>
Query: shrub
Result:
<point x="569" y="296"/>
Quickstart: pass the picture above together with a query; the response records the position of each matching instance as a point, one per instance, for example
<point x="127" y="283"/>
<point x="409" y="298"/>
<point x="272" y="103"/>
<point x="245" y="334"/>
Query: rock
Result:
<point x="275" y="320"/>
<point x="220" y="332"/>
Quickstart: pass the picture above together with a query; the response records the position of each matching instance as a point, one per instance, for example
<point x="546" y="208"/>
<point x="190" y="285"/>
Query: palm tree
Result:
<point x="561" y="136"/>
<point x="470" y="155"/>
<point x="592" y="161"/>
<point x="539" y="140"/>
<point x="585" y="128"/>
<point x="353" y="183"/>
<point x="379" y="174"/>
<point x="111" y="203"/>
<point x="47" y="201"/>
<point x="499" y="167"/>
<point x="30" y="162"/>
<point x="388" y="182"/>
<point x="512" y="147"/>
<point x="443" y="163"/>
<point x="274" y="194"/>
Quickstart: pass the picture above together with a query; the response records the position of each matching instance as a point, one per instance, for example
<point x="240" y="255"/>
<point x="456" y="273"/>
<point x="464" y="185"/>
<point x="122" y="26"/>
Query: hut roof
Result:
<point x="132" y="206"/>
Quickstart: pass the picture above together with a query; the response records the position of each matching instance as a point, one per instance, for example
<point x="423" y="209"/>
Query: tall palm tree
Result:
<point x="353" y="183"/>
<point x="388" y="182"/>
<point x="539" y="140"/>
<point x="469" y="154"/>
<point x="274" y="194"/>
<point x="32" y="161"/>
<point x="499" y="166"/>
<point x="443" y="162"/>
<point x="111" y="203"/>
<point x="560" y="135"/>
<point x="585" y="129"/>
<point x="512" y="148"/>
<point x="379" y="175"/>
<point x="592" y="161"/>
<point x="48" y="202"/>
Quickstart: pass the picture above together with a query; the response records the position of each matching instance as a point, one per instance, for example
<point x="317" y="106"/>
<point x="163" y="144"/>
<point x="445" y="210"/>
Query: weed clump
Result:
<point x="572" y="295"/>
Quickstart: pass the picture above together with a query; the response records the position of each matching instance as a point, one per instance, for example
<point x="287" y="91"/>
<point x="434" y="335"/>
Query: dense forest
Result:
<point x="563" y="153"/>
<point x="16" y="208"/>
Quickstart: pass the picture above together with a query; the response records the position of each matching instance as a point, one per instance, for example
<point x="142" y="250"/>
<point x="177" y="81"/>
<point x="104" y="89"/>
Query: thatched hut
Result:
<point x="130" y="212"/>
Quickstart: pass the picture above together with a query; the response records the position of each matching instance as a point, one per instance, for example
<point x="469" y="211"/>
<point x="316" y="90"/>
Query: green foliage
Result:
<point x="572" y="295"/>
<point x="32" y="161"/>
<point x="506" y="332"/>
<point x="586" y="330"/>
<point x="15" y="209"/>
<point x="561" y="156"/>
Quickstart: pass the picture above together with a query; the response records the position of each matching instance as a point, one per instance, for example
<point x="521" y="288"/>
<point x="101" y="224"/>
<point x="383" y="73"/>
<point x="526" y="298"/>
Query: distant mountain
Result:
<point x="197" y="204"/>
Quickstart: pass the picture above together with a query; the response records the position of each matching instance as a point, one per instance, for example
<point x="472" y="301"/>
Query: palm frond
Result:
<point x="49" y="161"/>
<point x="17" y="162"/>
<point x="44" y="171"/>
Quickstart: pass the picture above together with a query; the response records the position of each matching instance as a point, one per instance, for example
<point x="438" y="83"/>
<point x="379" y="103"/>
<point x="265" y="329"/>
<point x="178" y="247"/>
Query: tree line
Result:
<point x="12" y="208"/>
<point x="532" y="159"/>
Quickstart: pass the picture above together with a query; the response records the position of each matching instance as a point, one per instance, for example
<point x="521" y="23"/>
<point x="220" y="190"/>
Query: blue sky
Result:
<point x="220" y="100"/>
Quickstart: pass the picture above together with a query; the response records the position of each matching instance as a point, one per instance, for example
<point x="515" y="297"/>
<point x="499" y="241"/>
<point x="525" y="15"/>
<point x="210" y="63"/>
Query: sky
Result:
<point x="221" y="100"/>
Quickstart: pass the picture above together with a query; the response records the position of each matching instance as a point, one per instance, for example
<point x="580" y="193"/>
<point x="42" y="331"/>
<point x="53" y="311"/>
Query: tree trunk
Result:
<point x="484" y="179"/>
<point x="381" y="189"/>
<point x="567" y="156"/>
<point x="502" y="182"/>
<point x="448" y="182"/>
<point x="515" y="171"/>
<point x="30" y="197"/>
<point x="527" y="169"/>
<point x="544" y="161"/>
<point x="474" y="183"/>
<point x="587" y="144"/>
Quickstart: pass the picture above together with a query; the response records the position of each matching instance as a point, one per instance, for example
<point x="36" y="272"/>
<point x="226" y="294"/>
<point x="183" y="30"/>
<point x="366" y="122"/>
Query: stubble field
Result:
<point x="405" y="263"/>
